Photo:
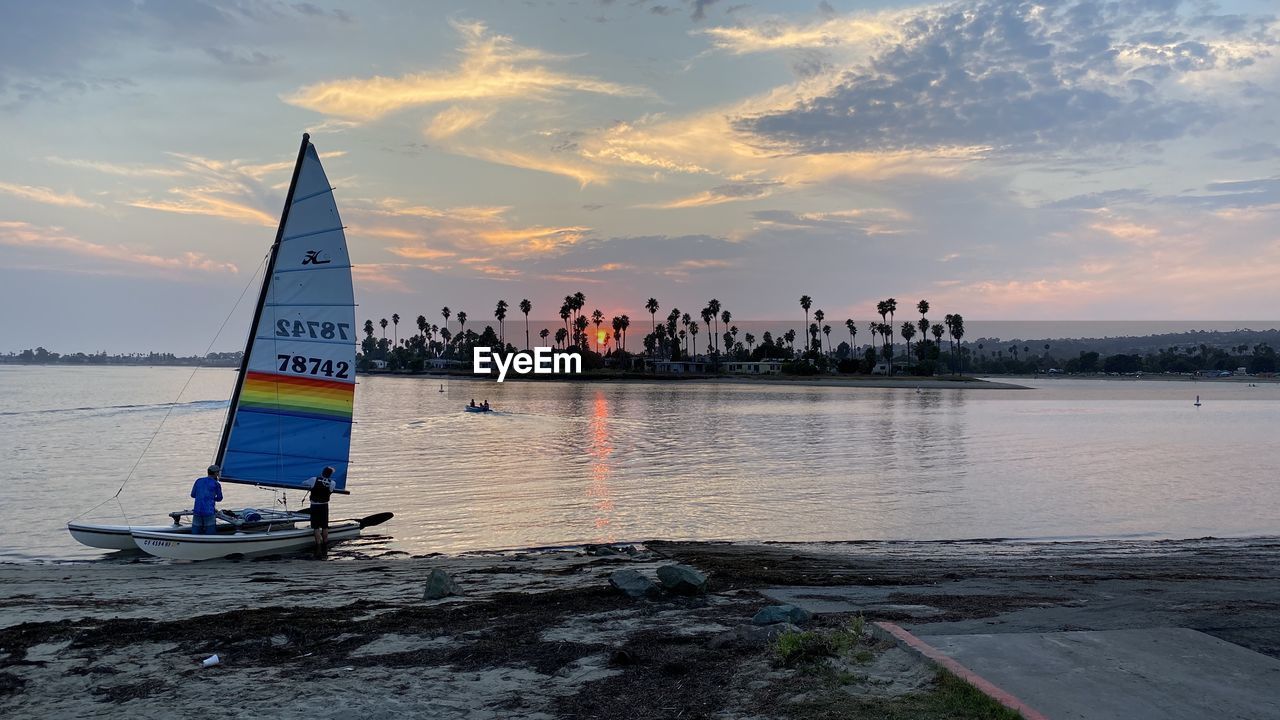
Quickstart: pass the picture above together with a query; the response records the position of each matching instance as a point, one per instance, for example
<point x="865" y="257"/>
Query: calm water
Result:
<point x="572" y="462"/>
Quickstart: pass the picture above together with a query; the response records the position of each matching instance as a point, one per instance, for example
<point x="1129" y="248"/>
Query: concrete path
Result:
<point x="1156" y="673"/>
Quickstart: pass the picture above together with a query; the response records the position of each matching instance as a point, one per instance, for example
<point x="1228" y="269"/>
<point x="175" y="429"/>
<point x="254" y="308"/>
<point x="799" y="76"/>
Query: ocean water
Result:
<point x="599" y="462"/>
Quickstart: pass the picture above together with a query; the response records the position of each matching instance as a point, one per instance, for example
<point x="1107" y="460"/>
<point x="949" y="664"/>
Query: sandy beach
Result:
<point x="541" y="634"/>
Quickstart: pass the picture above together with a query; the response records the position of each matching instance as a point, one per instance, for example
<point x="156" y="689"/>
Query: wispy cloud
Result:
<point x="26" y="235"/>
<point x="451" y="121"/>
<point x="583" y="173"/>
<point x="734" y="192"/>
<point x="491" y="67"/>
<point x="774" y="34"/>
<point x="46" y="196"/>
<point x="124" y="170"/>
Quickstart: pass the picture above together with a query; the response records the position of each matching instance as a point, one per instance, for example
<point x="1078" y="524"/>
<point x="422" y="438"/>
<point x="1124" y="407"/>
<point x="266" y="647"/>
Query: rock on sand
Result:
<point x="633" y="584"/>
<point x="682" y="580"/>
<point x="440" y="585"/>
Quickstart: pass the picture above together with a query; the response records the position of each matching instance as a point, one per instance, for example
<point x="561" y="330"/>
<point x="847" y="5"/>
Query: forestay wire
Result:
<point x="174" y="404"/>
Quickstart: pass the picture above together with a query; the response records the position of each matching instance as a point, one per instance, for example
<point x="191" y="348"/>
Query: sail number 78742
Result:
<point x="303" y="365"/>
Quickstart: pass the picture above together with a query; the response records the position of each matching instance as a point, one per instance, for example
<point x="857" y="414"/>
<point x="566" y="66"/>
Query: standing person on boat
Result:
<point x="207" y="492"/>
<point x="321" y="488"/>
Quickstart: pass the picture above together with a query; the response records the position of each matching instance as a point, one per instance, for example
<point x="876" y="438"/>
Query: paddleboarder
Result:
<point x="207" y="492"/>
<point x="320" y="489"/>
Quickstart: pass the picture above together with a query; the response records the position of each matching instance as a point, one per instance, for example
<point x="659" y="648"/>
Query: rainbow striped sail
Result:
<point x="290" y="414"/>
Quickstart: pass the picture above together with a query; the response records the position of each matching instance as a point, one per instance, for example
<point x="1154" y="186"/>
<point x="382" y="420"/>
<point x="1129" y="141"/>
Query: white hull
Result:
<point x="184" y="546"/>
<point x="114" y="537"/>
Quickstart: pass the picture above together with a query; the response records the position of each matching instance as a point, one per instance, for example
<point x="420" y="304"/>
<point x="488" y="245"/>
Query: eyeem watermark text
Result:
<point x="543" y="361"/>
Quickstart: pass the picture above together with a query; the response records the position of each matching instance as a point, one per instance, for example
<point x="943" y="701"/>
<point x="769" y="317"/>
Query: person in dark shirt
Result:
<point x="321" y="489"/>
<point x="207" y="492"/>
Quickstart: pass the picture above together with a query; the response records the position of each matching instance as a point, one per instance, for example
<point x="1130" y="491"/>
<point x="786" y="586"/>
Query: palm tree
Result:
<point x="826" y="330"/>
<point x="751" y="342"/>
<point x="423" y="327"/>
<point x="725" y="317"/>
<point x="580" y="332"/>
<point x="790" y="337"/>
<point x="908" y="332"/>
<point x="565" y="311"/>
<point x="543" y="333"/>
<point x="445" y="312"/>
<point x="957" y="331"/>
<point x="652" y="306"/>
<point x="806" y="302"/>
<point x="852" y="327"/>
<point x="626" y="324"/>
<point x="693" y="336"/>
<point x="562" y="336"/>
<point x="500" y="314"/>
<point x="597" y="317"/>
<point x="526" y="307"/>
<point x="368" y="328"/>
<point x="462" y="325"/>
<point x="383" y="323"/>
<point x="714" y="306"/>
<point x="818" y="317"/>
<point x="684" y="335"/>
<point x="686" y="321"/>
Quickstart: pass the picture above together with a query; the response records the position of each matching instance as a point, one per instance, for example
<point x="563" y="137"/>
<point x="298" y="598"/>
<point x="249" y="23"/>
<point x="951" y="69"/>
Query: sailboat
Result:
<point x="290" y="412"/>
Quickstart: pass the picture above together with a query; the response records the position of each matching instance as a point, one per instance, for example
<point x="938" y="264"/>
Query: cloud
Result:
<point x="46" y="196"/>
<point x="1015" y="77"/>
<point x="122" y="170"/>
<point x="860" y="31"/>
<point x="869" y="221"/>
<point x="1251" y="152"/>
<point x="421" y="253"/>
<point x="583" y="173"/>
<point x="491" y="67"/>
<point x="26" y="235"/>
<point x="236" y="190"/>
<point x="734" y="192"/>
<point x="454" y="120"/>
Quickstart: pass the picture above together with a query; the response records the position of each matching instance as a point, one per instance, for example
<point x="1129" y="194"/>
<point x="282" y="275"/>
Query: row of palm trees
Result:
<point x="677" y="335"/>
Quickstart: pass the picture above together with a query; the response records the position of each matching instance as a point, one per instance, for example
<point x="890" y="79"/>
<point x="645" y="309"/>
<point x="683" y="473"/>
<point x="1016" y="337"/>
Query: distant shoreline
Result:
<point x="934" y="383"/>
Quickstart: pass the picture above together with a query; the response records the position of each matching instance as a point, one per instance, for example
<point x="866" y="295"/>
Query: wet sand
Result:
<point x="540" y="634"/>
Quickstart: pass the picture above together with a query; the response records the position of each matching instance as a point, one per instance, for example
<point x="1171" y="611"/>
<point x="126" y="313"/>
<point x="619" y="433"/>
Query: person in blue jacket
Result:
<point x="208" y="493"/>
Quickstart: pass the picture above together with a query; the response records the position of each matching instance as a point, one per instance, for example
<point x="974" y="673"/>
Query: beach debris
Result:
<point x="682" y="580"/>
<point x="440" y="585"/>
<point x="211" y="660"/>
<point x="633" y="584"/>
<point x="782" y="614"/>
<point x="750" y="636"/>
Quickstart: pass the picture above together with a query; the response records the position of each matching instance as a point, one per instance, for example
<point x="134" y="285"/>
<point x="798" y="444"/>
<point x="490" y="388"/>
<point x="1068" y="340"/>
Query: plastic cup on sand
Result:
<point x="211" y="661"/>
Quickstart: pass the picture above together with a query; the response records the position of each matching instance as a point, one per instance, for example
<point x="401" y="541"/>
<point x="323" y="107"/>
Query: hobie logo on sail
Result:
<point x="543" y="361"/>
<point x="313" y="258"/>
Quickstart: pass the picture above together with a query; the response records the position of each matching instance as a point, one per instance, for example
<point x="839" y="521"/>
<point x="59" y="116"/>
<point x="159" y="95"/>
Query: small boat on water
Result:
<point x="290" y="412"/>
<point x="1197" y="401"/>
<point x="477" y="408"/>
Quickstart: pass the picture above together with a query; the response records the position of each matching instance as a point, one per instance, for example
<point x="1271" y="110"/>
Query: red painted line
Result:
<point x="985" y="686"/>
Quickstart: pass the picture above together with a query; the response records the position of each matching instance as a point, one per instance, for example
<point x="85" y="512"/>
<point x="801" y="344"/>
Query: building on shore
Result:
<point x="755" y="367"/>
<point x="681" y="367"/>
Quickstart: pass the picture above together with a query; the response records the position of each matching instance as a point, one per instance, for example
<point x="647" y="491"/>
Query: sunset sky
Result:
<point x="1004" y="159"/>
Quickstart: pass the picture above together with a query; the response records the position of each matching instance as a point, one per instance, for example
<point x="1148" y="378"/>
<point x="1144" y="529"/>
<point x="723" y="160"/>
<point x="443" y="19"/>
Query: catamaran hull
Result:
<point x="113" y="537"/>
<point x="180" y="546"/>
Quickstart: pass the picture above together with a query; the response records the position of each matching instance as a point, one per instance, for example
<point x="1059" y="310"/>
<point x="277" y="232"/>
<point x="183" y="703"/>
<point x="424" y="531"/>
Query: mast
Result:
<point x="262" y="301"/>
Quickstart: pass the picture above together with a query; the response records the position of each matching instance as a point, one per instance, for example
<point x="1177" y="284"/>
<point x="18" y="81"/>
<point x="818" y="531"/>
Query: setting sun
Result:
<point x="602" y="337"/>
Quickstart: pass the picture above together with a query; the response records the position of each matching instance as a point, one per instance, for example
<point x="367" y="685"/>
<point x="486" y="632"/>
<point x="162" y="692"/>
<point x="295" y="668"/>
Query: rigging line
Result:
<point x="174" y="404"/>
